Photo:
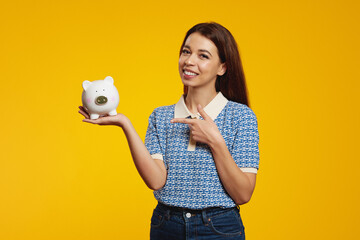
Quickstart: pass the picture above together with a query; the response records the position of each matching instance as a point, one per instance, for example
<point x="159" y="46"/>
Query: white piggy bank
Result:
<point x="100" y="97"/>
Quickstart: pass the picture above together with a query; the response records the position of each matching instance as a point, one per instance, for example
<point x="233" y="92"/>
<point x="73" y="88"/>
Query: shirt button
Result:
<point x="188" y="215"/>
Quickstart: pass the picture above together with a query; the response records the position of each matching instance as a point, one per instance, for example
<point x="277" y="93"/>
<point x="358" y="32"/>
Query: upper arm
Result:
<point x="245" y="148"/>
<point x="152" y="139"/>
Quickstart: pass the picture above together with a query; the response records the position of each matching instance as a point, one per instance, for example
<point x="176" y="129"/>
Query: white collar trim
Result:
<point x="213" y="109"/>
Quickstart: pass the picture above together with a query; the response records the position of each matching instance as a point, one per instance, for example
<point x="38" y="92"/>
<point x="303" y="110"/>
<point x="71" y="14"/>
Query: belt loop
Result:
<point x="167" y="215"/>
<point x="204" y="217"/>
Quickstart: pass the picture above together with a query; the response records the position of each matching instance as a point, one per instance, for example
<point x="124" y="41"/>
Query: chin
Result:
<point x="187" y="83"/>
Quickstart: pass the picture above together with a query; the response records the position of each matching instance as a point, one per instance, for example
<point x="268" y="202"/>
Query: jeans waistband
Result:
<point x="192" y="211"/>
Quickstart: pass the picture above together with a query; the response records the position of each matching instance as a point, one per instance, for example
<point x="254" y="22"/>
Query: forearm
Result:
<point x="236" y="182"/>
<point x="153" y="175"/>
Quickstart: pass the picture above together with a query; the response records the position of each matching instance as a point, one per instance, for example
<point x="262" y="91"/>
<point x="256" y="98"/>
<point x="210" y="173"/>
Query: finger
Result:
<point x="203" y="113"/>
<point x="90" y="121"/>
<point x="191" y="127"/>
<point x="195" y="136"/>
<point x="182" y="120"/>
<point x="84" y="114"/>
<point x="83" y="110"/>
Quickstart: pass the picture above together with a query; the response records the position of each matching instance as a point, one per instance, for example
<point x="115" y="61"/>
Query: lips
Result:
<point x="189" y="73"/>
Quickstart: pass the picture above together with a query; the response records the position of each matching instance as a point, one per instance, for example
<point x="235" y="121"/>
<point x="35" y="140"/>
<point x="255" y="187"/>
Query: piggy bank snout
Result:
<point x="101" y="100"/>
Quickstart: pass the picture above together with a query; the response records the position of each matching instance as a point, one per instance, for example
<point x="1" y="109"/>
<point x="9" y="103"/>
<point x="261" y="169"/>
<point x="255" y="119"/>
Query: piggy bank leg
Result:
<point x="94" y="116"/>
<point x="113" y="113"/>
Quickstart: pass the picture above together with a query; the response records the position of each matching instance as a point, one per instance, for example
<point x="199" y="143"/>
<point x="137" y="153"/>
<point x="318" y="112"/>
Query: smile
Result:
<point x="190" y="73"/>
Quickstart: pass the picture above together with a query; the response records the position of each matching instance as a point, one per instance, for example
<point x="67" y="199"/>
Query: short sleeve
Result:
<point x="245" y="151"/>
<point x="152" y="141"/>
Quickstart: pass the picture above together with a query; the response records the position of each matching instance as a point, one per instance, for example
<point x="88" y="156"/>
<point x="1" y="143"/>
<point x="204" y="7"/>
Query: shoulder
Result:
<point x="242" y="117"/>
<point x="165" y="109"/>
<point x="163" y="112"/>
<point x="239" y="110"/>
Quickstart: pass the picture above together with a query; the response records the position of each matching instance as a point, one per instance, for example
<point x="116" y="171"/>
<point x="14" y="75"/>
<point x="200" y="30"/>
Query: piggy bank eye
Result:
<point x="104" y="90"/>
<point x="96" y="91"/>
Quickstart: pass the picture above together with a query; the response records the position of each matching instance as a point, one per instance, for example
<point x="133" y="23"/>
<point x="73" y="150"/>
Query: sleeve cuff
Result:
<point x="157" y="156"/>
<point x="250" y="170"/>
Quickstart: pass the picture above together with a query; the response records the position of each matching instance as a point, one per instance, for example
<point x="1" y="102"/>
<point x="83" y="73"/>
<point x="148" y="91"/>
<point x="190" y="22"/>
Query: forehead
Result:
<point x="196" y="41"/>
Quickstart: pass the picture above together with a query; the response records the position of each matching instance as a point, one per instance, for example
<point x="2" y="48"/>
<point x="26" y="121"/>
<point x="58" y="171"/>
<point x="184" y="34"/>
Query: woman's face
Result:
<point x="199" y="62"/>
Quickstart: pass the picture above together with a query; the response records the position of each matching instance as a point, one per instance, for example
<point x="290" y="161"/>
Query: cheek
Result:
<point x="207" y="68"/>
<point x="181" y="62"/>
<point x="112" y="99"/>
<point x="181" y="66"/>
<point x="88" y="100"/>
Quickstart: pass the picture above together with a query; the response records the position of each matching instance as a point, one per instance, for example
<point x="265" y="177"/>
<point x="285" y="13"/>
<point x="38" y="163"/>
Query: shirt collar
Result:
<point x="213" y="109"/>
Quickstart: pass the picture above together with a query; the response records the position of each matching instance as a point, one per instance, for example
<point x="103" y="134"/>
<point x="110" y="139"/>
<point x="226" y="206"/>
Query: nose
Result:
<point x="101" y="100"/>
<point x="190" y="60"/>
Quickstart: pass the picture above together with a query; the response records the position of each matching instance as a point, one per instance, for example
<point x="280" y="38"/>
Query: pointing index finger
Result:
<point x="181" y="120"/>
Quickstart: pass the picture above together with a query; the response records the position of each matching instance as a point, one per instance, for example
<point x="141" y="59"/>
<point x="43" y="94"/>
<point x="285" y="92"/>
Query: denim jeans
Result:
<point x="172" y="223"/>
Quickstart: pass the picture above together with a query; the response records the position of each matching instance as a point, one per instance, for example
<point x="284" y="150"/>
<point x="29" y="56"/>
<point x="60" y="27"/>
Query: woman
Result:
<point x="200" y="162"/>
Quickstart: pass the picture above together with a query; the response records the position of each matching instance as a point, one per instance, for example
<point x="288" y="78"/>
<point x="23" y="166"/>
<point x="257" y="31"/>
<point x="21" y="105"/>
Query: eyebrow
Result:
<point x="200" y="50"/>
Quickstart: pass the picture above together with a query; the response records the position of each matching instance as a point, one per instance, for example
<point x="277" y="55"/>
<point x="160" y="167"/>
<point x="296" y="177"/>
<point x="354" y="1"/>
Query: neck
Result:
<point x="197" y="96"/>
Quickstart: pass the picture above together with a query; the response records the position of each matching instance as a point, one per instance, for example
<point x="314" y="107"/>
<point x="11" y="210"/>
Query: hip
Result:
<point x="175" y="223"/>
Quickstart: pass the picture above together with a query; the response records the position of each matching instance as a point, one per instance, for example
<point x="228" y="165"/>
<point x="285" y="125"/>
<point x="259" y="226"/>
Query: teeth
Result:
<point x="190" y="73"/>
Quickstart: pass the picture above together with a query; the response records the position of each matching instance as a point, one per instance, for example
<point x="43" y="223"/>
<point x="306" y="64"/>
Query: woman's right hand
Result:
<point x="117" y="120"/>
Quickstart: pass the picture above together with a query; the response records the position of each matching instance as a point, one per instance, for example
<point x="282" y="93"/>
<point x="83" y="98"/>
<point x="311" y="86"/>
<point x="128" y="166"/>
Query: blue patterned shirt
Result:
<point x="192" y="178"/>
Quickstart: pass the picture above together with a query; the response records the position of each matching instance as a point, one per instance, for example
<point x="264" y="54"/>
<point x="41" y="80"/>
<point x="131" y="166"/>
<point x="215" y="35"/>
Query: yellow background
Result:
<point x="61" y="178"/>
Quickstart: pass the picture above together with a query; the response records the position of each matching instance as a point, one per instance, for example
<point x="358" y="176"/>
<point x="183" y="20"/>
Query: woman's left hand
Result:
<point x="204" y="131"/>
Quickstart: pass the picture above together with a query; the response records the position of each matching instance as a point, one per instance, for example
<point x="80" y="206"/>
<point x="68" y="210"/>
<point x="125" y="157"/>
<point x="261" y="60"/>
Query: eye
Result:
<point x="204" y="56"/>
<point x="104" y="90"/>
<point x="185" y="51"/>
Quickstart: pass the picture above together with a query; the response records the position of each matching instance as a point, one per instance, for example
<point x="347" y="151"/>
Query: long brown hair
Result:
<point x="232" y="84"/>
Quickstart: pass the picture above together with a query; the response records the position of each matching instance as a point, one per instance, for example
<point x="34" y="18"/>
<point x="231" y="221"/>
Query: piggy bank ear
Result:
<point x="109" y="80"/>
<point x="86" y="84"/>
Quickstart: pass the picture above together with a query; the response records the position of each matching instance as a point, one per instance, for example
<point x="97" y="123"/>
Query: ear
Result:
<point x="222" y="69"/>
<point x="109" y="80"/>
<point x="86" y="84"/>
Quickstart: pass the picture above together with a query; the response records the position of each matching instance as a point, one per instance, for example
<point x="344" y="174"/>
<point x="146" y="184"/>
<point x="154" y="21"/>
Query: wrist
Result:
<point x="124" y="123"/>
<point x="217" y="142"/>
<point x="120" y="120"/>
